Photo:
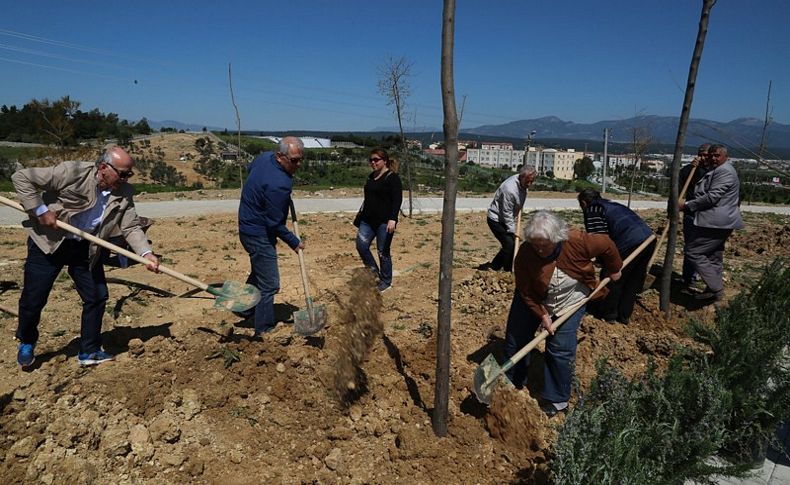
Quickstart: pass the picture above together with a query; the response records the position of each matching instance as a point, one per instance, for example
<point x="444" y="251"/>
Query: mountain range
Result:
<point x="740" y="133"/>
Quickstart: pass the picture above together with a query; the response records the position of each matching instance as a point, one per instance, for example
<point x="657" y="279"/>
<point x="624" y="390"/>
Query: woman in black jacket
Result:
<point x="378" y="216"/>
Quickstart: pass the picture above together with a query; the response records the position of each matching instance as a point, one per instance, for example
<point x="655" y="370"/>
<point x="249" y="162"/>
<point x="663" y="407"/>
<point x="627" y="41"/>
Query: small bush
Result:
<point x="662" y="429"/>
<point x="649" y="430"/>
<point x="749" y="343"/>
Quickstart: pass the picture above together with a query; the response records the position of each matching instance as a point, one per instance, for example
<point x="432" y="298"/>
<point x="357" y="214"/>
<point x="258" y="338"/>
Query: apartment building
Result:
<point x="559" y="162"/>
<point x="496" y="158"/>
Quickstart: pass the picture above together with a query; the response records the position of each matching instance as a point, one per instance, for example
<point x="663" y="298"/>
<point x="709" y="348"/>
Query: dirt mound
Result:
<point x="515" y="418"/>
<point x="350" y="339"/>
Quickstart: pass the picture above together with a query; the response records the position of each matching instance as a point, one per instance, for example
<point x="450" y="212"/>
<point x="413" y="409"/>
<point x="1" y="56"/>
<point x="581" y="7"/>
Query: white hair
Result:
<point x="527" y="170"/>
<point x="290" y="141"/>
<point x="546" y="225"/>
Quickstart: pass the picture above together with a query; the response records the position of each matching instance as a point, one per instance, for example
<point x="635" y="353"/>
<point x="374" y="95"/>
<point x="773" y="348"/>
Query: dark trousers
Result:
<point x="560" y="350"/>
<point x="689" y="271"/>
<point x="41" y="270"/>
<point x="619" y="302"/>
<point x="504" y="258"/>
<point x="264" y="275"/>
<point x="706" y="253"/>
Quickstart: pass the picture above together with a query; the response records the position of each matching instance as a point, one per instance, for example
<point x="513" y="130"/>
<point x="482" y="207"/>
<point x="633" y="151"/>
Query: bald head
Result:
<point x="114" y="168"/>
<point x="290" y="153"/>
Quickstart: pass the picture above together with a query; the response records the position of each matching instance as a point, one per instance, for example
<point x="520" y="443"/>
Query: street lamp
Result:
<point x="529" y="145"/>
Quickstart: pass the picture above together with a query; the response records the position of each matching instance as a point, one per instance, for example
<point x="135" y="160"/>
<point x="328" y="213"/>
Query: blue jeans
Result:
<point x="41" y="270"/>
<point x="264" y="275"/>
<point x="560" y="350"/>
<point x="365" y="237"/>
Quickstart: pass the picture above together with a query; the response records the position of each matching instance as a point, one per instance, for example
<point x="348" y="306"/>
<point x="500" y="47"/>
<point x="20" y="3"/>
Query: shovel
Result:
<point x="517" y="241"/>
<point x="666" y="228"/>
<point x="233" y="295"/>
<point x="9" y="310"/>
<point x="489" y="370"/>
<point x="306" y="322"/>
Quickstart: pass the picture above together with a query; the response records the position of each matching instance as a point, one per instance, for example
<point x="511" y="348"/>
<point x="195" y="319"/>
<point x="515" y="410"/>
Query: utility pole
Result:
<point x="529" y="144"/>
<point x="605" y="158"/>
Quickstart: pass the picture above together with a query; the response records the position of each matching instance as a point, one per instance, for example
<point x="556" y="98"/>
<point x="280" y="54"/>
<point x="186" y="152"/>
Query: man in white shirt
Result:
<point x="508" y="201"/>
<point x="96" y="198"/>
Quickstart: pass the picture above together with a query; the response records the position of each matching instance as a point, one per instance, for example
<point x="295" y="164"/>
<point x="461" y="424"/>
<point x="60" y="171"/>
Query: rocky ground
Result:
<point x="192" y="398"/>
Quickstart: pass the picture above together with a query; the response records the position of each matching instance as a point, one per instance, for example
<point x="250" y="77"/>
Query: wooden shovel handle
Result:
<point x="518" y="239"/>
<point x="666" y="228"/>
<point x="119" y="250"/>
<point x="302" y="266"/>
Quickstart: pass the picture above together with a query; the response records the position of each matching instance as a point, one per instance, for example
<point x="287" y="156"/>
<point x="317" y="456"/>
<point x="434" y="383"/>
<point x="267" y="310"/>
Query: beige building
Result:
<point x="559" y="162"/>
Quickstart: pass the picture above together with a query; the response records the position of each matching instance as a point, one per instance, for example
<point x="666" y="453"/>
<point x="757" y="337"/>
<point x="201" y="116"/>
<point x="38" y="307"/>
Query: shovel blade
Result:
<point x="485" y="380"/>
<point x="235" y="296"/>
<point x="307" y="322"/>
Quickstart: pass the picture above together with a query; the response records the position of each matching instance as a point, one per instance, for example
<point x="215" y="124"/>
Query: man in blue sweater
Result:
<point x="628" y="231"/>
<point x="263" y="211"/>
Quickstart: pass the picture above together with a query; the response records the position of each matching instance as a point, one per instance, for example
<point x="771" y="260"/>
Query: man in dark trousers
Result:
<point x="263" y="211"/>
<point x="93" y="197"/>
<point x="715" y="205"/>
<point x="701" y="164"/>
<point x="628" y="231"/>
<point x="502" y="214"/>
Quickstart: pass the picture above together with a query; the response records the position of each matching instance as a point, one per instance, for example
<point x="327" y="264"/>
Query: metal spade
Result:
<point x="310" y="321"/>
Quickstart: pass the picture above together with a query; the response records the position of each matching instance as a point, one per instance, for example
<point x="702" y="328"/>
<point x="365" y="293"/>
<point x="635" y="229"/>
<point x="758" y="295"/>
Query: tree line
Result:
<point x="61" y="122"/>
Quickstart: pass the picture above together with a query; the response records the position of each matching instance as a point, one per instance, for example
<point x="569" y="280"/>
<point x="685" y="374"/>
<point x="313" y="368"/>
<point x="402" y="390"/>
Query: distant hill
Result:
<point x="177" y="125"/>
<point x="739" y="133"/>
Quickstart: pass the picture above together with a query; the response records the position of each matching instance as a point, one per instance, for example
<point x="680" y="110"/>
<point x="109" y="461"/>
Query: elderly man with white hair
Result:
<point x="263" y="211"/>
<point x="508" y="201"/>
<point x="554" y="272"/>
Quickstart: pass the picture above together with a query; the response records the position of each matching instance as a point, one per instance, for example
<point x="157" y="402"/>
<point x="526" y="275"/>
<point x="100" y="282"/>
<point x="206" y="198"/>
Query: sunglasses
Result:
<point x="374" y="160"/>
<point x="124" y="174"/>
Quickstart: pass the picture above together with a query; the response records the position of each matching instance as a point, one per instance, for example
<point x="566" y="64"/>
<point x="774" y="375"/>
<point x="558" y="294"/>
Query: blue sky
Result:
<point x="313" y="64"/>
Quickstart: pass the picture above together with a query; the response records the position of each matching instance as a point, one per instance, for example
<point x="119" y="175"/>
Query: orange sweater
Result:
<point x="533" y="273"/>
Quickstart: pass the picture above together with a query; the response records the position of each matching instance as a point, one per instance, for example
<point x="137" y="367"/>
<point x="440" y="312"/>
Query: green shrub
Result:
<point x="749" y="343"/>
<point x="663" y="429"/>
<point x="648" y="430"/>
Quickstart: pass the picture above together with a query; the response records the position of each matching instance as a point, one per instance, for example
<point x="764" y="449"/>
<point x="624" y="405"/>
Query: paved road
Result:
<point x="181" y="208"/>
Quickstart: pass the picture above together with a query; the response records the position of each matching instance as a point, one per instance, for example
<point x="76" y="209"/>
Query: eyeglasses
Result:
<point x="124" y="174"/>
<point x="294" y="160"/>
<point x="374" y="160"/>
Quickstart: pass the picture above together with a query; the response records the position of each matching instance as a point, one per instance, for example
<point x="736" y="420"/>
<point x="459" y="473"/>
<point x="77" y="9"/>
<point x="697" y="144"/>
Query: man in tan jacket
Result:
<point x="96" y="198"/>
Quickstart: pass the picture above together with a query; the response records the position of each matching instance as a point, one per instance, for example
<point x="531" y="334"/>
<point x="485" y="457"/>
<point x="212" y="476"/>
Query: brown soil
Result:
<point x="167" y="411"/>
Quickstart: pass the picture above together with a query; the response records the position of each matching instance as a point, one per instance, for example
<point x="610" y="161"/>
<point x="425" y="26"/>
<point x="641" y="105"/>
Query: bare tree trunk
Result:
<point x="393" y="83"/>
<point x="442" y="385"/>
<point x="403" y="151"/>
<point x="666" y="276"/>
<point x="238" y="128"/>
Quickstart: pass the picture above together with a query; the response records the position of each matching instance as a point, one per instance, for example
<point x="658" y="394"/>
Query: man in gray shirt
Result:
<point x="502" y="213"/>
<point x="716" y="215"/>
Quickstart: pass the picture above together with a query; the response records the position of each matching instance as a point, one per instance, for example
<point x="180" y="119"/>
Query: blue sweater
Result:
<point x="620" y="223"/>
<point x="265" y="200"/>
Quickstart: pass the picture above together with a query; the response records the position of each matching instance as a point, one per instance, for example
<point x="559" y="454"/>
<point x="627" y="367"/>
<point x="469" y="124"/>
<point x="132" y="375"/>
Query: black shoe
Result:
<point x="486" y="267"/>
<point x="710" y="295"/>
<point x="551" y="410"/>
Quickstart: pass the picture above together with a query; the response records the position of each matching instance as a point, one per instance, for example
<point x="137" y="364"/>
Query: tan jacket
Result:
<point x="68" y="189"/>
<point x="533" y="273"/>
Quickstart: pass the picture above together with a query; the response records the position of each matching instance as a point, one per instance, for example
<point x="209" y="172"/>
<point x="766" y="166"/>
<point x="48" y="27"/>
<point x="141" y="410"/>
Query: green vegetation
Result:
<point x="726" y="396"/>
<point x="61" y="122"/>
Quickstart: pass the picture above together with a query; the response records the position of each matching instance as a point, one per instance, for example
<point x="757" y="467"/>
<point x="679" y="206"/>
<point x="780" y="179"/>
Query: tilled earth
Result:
<point x="192" y="398"/>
